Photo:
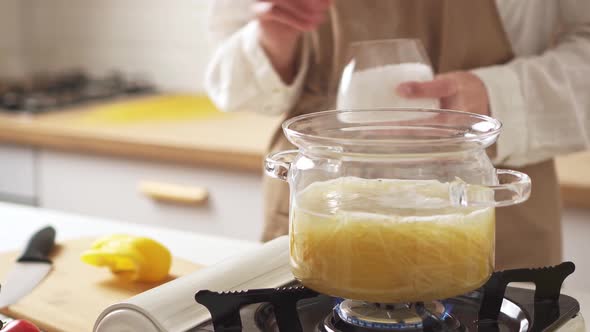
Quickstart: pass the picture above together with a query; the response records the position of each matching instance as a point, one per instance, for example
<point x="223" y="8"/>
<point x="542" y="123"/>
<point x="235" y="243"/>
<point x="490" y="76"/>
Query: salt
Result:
<point x="376" y="87"/>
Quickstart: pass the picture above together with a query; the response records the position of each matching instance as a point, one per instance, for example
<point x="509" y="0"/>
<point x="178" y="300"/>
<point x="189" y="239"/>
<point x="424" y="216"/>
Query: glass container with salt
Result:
<point x="376" y="68"/>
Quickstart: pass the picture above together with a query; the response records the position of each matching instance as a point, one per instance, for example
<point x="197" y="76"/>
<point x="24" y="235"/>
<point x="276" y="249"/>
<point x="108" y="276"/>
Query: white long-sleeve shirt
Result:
<point x="542" y="96"/>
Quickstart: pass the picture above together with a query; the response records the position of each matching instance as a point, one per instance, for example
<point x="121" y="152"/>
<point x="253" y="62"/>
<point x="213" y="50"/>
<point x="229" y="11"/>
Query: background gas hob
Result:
<point x="46" y="92"/>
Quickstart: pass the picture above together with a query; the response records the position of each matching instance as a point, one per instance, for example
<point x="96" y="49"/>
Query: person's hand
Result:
<point x="461" y="91"/>
<point x="282" y="22"/>
<point x="291" y="16"/>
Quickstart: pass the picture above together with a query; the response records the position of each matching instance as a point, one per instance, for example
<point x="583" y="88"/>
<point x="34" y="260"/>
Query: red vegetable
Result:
<point x="20" y="325"/>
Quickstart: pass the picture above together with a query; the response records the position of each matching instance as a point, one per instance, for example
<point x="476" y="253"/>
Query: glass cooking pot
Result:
<point x="393" y="205"/>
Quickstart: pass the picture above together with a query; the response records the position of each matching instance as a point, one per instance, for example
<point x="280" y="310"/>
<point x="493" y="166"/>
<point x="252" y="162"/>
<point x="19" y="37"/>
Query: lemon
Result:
<point x="135" y="258"/>
<point x="389" y="241"/>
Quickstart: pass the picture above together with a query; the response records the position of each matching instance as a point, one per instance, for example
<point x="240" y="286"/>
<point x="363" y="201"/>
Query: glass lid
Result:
<point x="392" y="130"/>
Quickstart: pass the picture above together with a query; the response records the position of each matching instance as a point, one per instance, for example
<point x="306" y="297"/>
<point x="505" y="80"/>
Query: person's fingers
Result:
<point x="272" y="12"/>
<point x="438" y="88"/>
<point x="267" y="10"/>
<point x="305" y="10"/>
<point x="308" y="6"/>
<point x="460" y="91"/>
<point x="452" y="103"/>
<point x="295" y="6"/>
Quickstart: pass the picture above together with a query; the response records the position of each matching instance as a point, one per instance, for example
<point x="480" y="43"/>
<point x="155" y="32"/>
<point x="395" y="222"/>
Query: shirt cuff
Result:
<point x="507" y="104"/>
<point x="280" y="94"/>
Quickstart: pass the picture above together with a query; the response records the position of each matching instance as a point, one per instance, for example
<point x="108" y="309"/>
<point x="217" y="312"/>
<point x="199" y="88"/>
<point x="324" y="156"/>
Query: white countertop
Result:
<point x="19" y="222"/>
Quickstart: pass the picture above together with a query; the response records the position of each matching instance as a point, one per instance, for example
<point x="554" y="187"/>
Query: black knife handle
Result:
<point x="39" y="246"/>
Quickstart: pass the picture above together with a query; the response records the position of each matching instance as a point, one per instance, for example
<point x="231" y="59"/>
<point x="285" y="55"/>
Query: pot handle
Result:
<point x="513" y="188"/>
<point x="278" y="164"/>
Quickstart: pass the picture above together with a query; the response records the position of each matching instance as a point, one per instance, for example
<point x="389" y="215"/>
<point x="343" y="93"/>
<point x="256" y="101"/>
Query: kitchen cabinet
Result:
<point x="96" y="160"/>
<point x="115" y="188"/>
<point x="18" y="174"/>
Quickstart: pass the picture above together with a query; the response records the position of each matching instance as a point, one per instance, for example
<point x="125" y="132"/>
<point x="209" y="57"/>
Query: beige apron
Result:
<point x="458" y="35"/>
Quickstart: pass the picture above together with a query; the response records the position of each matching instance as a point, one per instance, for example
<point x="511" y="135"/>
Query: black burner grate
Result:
<point x="548" y="283"/>
<point x="51" y="91"/>
<point x="545" y="307"/>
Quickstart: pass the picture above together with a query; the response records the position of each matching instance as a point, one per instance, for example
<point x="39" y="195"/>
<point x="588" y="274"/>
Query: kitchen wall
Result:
<point x="11" y="57"/>
<point x="162" y="40"/>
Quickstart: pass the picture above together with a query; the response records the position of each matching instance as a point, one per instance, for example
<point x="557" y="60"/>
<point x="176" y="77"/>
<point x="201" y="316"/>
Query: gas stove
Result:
<point x="55" y="91"/>
<point x="256" y="291"/>
<point x="494" y="307"/>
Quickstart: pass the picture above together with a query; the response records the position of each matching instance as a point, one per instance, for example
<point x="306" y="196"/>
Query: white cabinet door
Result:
<point x="17" y="174"/>
<point x="107" y="187"/>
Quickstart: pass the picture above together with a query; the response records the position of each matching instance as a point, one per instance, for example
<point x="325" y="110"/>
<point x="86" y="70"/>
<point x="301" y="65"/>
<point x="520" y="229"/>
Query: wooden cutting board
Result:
<point x="73" y="294"/>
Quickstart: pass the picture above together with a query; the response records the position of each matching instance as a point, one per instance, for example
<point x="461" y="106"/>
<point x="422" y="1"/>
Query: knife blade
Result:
<point x="30" y="268"/>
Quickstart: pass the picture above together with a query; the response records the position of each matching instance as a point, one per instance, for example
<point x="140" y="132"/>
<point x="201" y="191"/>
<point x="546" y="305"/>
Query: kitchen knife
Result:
<point x="30" y="268"/>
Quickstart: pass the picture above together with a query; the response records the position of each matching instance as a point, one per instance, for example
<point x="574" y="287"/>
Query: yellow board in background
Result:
<point x="153" y="109"/>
